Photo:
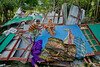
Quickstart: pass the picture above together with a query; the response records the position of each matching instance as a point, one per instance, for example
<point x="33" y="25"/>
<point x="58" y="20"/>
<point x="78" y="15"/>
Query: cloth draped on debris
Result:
<point x="11" y="30"/>
<point x="36" y="51"/>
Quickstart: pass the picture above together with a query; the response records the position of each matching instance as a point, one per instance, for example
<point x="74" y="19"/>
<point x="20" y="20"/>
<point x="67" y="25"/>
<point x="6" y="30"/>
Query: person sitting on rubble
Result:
<point x="50" y="26"/>
<point x="37" y="27"/>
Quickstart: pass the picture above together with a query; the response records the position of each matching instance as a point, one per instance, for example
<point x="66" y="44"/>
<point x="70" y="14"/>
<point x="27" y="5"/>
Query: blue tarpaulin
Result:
<point x="62" y="34"/>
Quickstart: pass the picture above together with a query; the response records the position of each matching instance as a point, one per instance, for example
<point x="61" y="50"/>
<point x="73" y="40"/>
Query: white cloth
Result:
<point x="11" y="30"/>
<point x="26" y="27"/>
<point x="18" y="11"/>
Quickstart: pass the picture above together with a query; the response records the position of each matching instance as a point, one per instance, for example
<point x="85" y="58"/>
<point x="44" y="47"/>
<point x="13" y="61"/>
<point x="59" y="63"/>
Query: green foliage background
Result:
<point x="9" y="7"/>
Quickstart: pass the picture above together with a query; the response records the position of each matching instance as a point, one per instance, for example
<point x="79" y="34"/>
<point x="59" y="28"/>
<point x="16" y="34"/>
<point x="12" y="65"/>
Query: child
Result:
<point x="36" y="28"/>
<point x="50" y="26"/>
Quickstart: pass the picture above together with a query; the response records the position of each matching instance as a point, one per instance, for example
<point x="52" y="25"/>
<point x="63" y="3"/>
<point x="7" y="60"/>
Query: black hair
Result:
<point x="24" y="11"/>
<point x="50" y="19"/>
<point x="37" y="20"/>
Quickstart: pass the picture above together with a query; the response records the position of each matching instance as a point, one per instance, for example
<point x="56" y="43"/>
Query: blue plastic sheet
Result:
<point x="62" y="34"/>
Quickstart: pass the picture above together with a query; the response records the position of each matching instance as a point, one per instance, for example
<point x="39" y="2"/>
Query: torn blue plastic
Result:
<point x="62" y="34"/>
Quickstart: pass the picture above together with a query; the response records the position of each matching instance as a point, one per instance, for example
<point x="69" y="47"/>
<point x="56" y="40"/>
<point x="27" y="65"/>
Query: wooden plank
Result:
<point x="15" y="46"/>
<point x="18" y="49"/>
<point x="18" y="59"/>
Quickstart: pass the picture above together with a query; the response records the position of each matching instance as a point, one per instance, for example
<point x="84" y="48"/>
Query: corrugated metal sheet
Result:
<point x="18" y="19"/>
<point x="95" y="28"/>
<point x="75" y="15"/>
<point x="6" y="41"/>
<point x="64" y="10"/>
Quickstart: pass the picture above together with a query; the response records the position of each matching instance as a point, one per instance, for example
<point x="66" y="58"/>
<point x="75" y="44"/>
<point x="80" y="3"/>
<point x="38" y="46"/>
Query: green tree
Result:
<point x="27" y="4"/>
<point x="50" y="5"/>
<point x="8" y="7"/>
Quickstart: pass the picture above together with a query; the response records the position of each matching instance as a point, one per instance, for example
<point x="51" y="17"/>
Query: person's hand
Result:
<point x="45" y="26"/>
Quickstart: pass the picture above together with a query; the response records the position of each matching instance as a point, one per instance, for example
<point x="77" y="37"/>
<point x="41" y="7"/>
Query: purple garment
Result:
<point x="36" y="51"/>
